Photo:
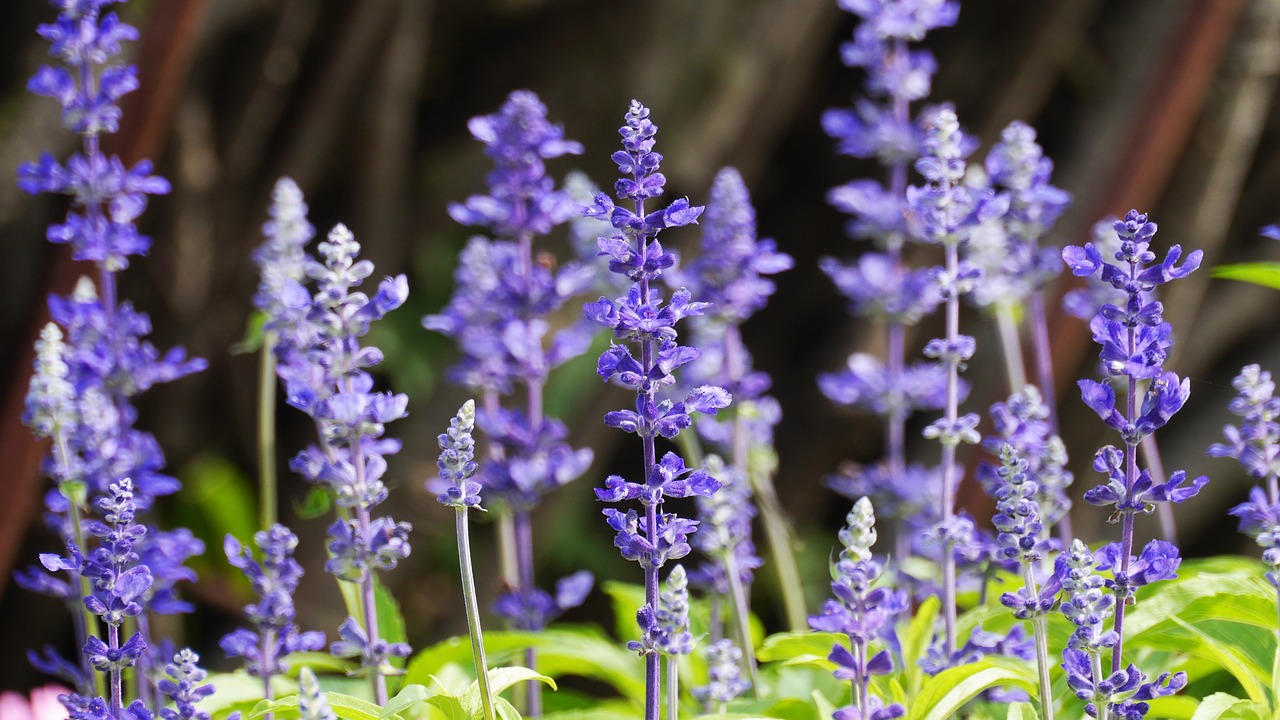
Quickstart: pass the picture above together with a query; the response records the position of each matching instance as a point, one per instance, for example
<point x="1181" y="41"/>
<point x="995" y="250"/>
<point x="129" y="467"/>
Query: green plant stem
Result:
<point x="673" y="687"/>
<point x="267" y="506"/>
<point x="86" y="623"/>
<point x="473" y="614"/>
<point x="1014" y="364"/>
<point x="1103" y="709"/>
<point x="743" y="621"/>
<point x="1040" y="625"/>
<point x="777" y="532"/>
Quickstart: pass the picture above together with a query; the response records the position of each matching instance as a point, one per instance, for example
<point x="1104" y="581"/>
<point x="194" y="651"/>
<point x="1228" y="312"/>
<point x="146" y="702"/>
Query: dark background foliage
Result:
<point x="1164" y="105"/>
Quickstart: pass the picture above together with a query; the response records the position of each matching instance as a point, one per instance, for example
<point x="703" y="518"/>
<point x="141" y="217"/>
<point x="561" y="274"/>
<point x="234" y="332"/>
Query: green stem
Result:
<point x="1014" y="365"/>
<point x="473" y="614"/>
<point x="743" y="621"/>
<point x="267" y="507"/>
<point x="673" y="687"/>
<point x="1040" y="624"/>
<point x="781" y="548"/>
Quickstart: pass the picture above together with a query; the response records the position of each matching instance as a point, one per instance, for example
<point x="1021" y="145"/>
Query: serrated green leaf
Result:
<point x="945" y="693"/>
<point x="1266" y="274"/>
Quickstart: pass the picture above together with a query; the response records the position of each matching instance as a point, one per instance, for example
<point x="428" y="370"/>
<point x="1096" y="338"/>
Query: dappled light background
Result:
<point x="1168" y="106"/>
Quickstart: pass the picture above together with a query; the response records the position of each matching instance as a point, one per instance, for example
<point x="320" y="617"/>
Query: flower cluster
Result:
<point x="860" y="611"/>
<point x="328" y="379"/>
<point x="1088" y="606"/>
<point x="499" y="316"/>
<point x="91" y="362"/>
<point x="724" y="674"/>
<point x="1256" y="445"/>
<point x="641" y="317"/>
<point x="1023" y="423"/>
<point x="275" y="580"/>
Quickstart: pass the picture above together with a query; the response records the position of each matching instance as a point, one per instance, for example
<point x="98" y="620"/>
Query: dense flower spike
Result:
<point x="724" y="675"/>
<point x="878" y="283"/>
<point x="1256" y="445"/>
<point x="1135" y="340"/>
<point x="312" y="702"/>
<point x="275" y="578"/>
<point x="457" y="466"/>
<point x="329" y="380"/>
<point x="860" y="611"/>
<point x="1024" y="423"/>
<point x="184" y="689"/>
<point x="641" y="317"/>
<point x="500" y="315"/>
<point x="946" y="212"/>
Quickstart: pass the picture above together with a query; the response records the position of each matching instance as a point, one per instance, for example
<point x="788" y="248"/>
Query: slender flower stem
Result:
<point x="1104" y="712"/>
<point x="743" y="621"/>
<point x="1048" y="393"/>
<point x="1126" y="532"/>
<point x="673" y="687"/>
<point x="1041" y="628"/>
<point x="947" y="510"/>
<point x="86" y="623"/>
<point x="117" y="682"/>
<point x="524" y="556"/>
<point x="473" y="614"/>
<point x="1009" y="342"/>
<point x="267" y="505"/>
<point x="368" y="597"/>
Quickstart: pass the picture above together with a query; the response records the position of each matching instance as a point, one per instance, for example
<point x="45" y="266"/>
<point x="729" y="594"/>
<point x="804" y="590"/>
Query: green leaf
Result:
<point x="504" y="677"/>
<point x="253" y="334"/>
<point x="450" y="706"/>
<point x="801" y="648"/>
<point x="915" y="642"/>
<point x="1022" y="711"/>
<point x="315" y="504"/>
<point x="390" y="621"/>
<point x="408" y="697"/>
<point x="825" y="707"/>
<point x="344" y="706"/>
<point x="945" y="693"/>
<point x="1266" y="274"/>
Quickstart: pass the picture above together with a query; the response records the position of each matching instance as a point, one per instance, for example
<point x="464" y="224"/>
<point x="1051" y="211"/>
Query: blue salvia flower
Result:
<point x="724" y="675"/>
<point x="672" y="617"/>
<point x="861" y="612"/>
<point x="878" y="284"/>
<point x="1256" y="445"/>
<point x="499" y="316"/>
<point x="1015" y="265"/>
<point x="275" y="579"/>
<point x="282" y="259"/>
<point x="1088" y="605"/>
<point x="725" y="529"/>
<point x="1023" y="422"/>
<point x="106" y="355"/>
<point x="184" y="689"/>
<point x="641" y="317"/>
<point x="330" y="382"/>
<point x="457" y="468"/>
<point x="1135" y="340"/>
<point x="946" y="212"/>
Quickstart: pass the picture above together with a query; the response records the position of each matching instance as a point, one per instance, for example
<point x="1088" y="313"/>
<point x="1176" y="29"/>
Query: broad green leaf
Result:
<point x="607" y="710"/>
<point x="345" y="707"/>
<point x="240" y="688"/>
<point x="218" y="500"/>
<point x="1022" y="711"/>
<point x="945" y="693"/>
<point x="449" y="705"/>
<point x="504" y="677"/>
<point x="1266" y="274"/>
<point x="915" y="643"/>
<point x="1173" y="707"/>
<point x="1212" y="707"/>
<point x="408" y="697"/>
<point x="799" y="648"/>
<point x="505" y="710"/>
<point x="321" y="663"/>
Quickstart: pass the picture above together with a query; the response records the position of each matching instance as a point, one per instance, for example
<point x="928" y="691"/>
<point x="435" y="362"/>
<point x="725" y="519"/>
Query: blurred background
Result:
<point x="1168" y="106"/>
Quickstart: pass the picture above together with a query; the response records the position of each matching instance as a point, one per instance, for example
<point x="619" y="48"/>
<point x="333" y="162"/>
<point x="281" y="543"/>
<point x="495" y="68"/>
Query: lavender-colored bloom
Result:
<point x="875" y="286"/>
<point x="1256" y="442"/>
<point x="724" y="674"/>
<point x="282" y="258"/>
<point x="1260" y="519"/>
<point x="275" y="579"/>
<point x="725" y="530"/>
<point x="184" y="689"/>
<point x="1014" y="263"/>
<point x="457" y="461"/>
<point x="859" y="610"/>
<point x="866" y="383"/>
<point x="672" y="616"/>
<point x="534" y="610"/>
<point x="643" y="318"/>
<point x="374" y="653"/>
<point x="1017" y="519"/>
<point x="1023" y="423"/>
<point x="730" y="271"/>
